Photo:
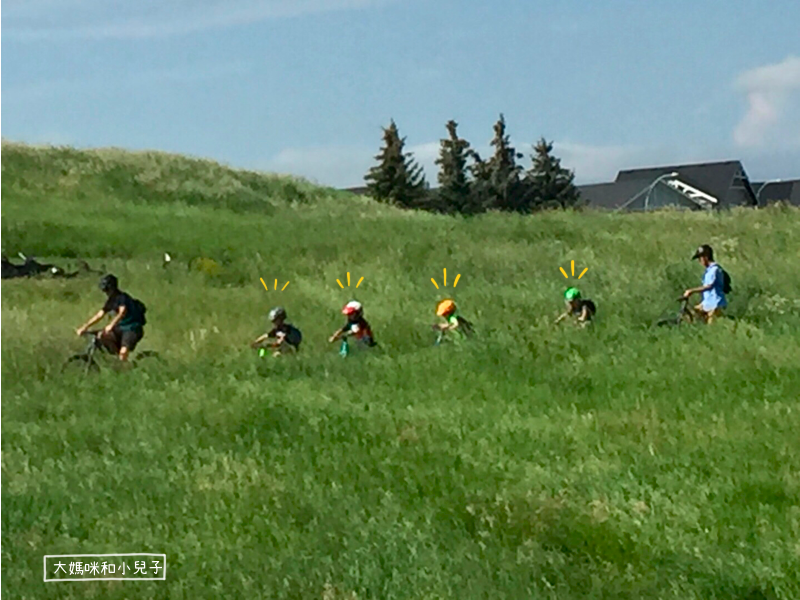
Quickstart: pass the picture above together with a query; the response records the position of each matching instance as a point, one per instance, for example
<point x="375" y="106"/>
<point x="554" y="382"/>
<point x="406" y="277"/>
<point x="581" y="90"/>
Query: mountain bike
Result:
<point x="346" y="348"/>
<point x="683" y="316"/>
<point x="464" y="331"/>
<point x="439" y="334"/>
<point x="274" y="348"/>
<point x="88" y="362"/>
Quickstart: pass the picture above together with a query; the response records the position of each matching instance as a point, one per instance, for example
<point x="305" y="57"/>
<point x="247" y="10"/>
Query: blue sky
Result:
<point x="304" y="86"/>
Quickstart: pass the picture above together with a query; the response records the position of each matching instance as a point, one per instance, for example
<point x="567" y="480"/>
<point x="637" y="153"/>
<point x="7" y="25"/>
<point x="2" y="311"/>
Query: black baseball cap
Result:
<point x="704" y="250"/>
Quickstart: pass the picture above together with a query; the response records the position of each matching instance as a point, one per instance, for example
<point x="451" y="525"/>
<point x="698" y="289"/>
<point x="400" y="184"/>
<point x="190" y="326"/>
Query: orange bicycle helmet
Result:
<point x="445" y="308"/>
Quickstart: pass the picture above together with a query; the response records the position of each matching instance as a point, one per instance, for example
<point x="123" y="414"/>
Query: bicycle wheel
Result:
<point x="148" y="357"/>
<point x="669" y="322"/>
<point x="81" y="362"/>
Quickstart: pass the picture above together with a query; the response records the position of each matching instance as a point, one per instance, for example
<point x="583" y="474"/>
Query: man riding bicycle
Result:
<point x="713" y="288"/>
<point x="126" y="328"/>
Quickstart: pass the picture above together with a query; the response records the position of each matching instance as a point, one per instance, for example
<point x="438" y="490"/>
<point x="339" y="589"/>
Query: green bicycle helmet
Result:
<point x="572" y="294"/>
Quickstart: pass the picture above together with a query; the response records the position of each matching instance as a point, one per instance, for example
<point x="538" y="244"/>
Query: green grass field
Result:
<point x="535" y="462"/>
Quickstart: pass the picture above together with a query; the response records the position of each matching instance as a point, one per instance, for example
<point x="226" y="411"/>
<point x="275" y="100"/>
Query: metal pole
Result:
<point x="653" y="185"/>
<point x="761" y="189"/>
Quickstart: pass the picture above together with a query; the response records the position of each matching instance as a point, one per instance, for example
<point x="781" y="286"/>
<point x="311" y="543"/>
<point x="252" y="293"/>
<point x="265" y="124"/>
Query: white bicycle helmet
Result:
<point x="352" y="308"/>
<point x="277" y="313"/>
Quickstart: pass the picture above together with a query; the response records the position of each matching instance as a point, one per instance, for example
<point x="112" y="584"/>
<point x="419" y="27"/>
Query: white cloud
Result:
<point x="595" y="163"/>
<point x="124" y="80"/>
<point x="772" y="93"/>
<point x="47" y="20"/>
<point x="345" y="166"/>
<point x="336" y="166"/>
<point x="342" y="166"/>
<point x="426" y="155"/>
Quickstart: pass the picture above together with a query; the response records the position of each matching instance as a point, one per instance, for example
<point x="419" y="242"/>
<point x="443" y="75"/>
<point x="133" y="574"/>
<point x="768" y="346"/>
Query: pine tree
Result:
<point x="549" y="184"/>
<point x="455" y="189"/>
<point x="397" y="178"/>
<point x="499" y="177"/>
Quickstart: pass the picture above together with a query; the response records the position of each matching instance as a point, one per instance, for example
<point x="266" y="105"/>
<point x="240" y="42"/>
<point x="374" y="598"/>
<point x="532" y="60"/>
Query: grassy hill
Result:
<point x="536" y="462"/>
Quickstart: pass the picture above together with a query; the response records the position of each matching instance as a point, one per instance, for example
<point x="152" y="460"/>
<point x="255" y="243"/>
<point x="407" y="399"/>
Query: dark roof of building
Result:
<point x="611" y="195"/>
<point x="359" y="191"/>
<point x="778" y="191"/>
<point x="714" y="178"/>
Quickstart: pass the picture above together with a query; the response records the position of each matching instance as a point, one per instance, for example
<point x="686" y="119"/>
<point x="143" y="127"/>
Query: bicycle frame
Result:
<point x="684" y="315"/>
<point x="87" y="356"/>
<point x="94" y="345"/>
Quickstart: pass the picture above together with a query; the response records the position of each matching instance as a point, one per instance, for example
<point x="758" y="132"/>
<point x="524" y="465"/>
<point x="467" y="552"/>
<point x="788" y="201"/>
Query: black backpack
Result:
<point x="726" y="282"/>
<point x="468" y="327"/>
<point x="140" y="309"/>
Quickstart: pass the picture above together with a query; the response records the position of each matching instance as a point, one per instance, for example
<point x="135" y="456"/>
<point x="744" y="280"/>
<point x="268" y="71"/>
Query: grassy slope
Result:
<point x="625" y="462"/>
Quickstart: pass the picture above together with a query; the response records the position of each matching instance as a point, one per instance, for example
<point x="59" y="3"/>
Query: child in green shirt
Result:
<point x="453" y="322"/>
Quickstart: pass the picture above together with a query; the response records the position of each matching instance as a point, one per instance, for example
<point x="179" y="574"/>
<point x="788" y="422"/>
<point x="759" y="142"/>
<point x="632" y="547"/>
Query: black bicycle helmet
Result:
<point x="108" y="283"/>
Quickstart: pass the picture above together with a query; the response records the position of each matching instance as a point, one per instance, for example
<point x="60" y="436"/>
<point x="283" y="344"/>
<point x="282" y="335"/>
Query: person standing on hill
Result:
<point x="126" y="328"/>
<point x="716" y="285"/>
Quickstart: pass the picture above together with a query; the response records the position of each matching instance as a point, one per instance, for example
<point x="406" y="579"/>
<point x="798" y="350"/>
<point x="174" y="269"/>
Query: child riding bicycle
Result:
<point x="356" y="327"/>
<point x="581" y="309"/>
<point x="283" y="338"/>
<point x="452" y="321"/>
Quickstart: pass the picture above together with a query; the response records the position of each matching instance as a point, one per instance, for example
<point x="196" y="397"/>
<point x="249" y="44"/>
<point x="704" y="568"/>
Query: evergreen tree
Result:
<point x="499" y="177"/>
<point x="548" y="183"/>
<point x="455" y="189"/>
<point x="397" y="178"/>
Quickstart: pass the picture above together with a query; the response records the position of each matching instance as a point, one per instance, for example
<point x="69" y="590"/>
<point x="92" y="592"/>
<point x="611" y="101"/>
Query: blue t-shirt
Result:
<point x="715" y="297"/>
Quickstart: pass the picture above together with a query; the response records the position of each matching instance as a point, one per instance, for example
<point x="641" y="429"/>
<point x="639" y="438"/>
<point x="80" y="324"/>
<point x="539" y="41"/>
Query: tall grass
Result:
<point x="537" y="462"/>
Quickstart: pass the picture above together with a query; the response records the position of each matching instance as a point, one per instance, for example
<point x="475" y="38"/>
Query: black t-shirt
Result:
<point x="133" y="318"/>
<point x="589" y="306"/>
<point x="291" y="334"/>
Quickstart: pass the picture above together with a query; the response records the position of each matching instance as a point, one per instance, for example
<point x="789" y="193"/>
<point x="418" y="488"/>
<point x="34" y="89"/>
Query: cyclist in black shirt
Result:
<point x="126" y="328"/>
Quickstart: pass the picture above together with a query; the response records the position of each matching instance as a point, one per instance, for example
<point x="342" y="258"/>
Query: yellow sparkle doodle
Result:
<point x="276" y="284"/>
<point x="444" y="271"/>
<point x="348" y="281"/>
<point x="572" y="265"/>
